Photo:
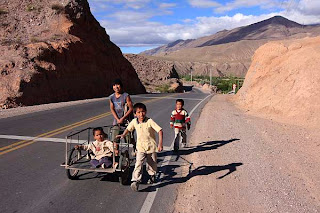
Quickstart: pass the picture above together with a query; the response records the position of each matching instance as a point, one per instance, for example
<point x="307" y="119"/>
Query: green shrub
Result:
<point x="57" y="7"/>
<point x="30" y="8"/>
<point x="34" y="39"/>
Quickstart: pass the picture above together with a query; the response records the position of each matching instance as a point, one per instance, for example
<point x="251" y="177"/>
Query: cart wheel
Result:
<point x="125" y="167"/>
<point x="75" y="154"/>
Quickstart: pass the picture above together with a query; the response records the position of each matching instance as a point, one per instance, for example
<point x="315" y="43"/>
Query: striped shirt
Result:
<point x="179" y="119"/>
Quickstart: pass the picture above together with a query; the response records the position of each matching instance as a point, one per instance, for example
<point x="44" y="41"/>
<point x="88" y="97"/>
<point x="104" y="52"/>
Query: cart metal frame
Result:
<point x="78" y="160"/>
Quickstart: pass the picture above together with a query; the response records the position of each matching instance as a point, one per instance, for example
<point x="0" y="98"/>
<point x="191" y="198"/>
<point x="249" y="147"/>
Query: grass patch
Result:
<point x="34" y="40"/>
<point x="30" y="8"/>
<point x="164" y="89"/>
<point x="3" y="11"/>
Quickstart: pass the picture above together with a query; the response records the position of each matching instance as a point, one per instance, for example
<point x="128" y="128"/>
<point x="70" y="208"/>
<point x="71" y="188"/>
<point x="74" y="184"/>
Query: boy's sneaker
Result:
<point x="183" y="145"/>
<point x="135" y="186"/>
<point x="152" y="179"/>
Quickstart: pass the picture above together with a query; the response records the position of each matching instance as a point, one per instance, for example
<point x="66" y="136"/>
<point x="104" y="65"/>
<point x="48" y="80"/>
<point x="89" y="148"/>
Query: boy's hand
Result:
<point x="77" y="146"/>
<point x="188" y="126"/>
<point x="120" y="121"/>
<point x="171" y="126"/>
<point x="119" y="136"/>
<point x="116" y="152"/>
<point x="160" y="148"/>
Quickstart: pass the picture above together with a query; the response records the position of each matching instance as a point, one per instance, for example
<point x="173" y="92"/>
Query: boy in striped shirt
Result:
<point x="179" y="121"/>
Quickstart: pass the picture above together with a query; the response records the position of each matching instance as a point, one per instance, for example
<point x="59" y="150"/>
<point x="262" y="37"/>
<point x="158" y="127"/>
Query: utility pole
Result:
<point x="191" y="73"/>
<point x="210" y="76"/>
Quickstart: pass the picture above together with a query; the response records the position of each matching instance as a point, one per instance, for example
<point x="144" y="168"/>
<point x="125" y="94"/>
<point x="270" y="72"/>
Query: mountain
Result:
<point x="229" y="52"/>
<point x="55" y="51"/>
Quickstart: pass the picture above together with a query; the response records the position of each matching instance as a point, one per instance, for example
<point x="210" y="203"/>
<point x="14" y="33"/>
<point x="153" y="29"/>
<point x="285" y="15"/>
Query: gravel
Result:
<point x="243" y="163"/>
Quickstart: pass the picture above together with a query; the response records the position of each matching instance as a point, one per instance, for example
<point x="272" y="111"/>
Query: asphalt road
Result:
<point x="33" y="181"/>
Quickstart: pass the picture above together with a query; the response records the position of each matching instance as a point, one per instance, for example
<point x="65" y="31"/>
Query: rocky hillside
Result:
<point x="229" y="52"/>
<point x="55" y="51"/>
<point x="283" y="80"/>
<point x="155" y="74"/>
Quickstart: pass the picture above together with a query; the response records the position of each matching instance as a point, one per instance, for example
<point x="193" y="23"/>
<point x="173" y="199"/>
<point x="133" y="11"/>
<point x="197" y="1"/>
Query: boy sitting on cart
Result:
<point x="101" y="148"/>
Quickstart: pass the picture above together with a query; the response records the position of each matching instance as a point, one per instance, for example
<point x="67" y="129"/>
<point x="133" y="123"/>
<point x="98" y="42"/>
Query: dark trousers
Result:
<point x="97" y="163"/>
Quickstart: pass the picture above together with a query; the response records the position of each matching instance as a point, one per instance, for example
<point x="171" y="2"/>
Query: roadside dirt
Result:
<point x="243" y="163"/>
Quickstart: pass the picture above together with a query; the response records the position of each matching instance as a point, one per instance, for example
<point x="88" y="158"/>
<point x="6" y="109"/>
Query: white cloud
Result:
<point x="167" y="5"/>
<point x="203" y="3"/>
<point x="236" y="4"/>
<point x="131" y="16"/>
<point x="310" y="7"/>
<point x="134" y="4"/>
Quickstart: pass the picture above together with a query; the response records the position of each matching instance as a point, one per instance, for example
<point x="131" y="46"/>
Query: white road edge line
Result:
<point x="16" y="137"/>
<point x="146" y="207"/>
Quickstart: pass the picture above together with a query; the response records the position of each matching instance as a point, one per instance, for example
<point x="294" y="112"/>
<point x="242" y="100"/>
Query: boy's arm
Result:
<point x="160" y="145"/>
<point x="82" y="147"/>
<point x="123" y="134"/>
<point x="172" y="119"/>
<point x="113" y="111"/>
<point x="187" y="120"/>
<point x="129" y="128"/>
<point x="129" y="102"/>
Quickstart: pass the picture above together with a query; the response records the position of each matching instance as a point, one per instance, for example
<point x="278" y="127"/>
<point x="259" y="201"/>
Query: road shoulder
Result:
<point x="243" y="163"/>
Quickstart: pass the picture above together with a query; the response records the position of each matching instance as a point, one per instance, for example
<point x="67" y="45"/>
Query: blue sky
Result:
<point x="137" y="25"/>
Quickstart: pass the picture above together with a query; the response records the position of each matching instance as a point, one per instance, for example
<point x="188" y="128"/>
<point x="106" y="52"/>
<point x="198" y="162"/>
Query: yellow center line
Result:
<point x="24" y="143"/>
<point x="59" y="129"/>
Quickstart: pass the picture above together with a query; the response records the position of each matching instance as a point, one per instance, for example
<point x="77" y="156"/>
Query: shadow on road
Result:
<point x="201" y="170"/>
<point x="204" y="146"/>
<point x="187" y="88"/>
<point x="169" y="171"/>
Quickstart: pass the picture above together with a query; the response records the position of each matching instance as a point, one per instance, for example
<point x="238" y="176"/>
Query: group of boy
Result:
<point x="146" y="129"/>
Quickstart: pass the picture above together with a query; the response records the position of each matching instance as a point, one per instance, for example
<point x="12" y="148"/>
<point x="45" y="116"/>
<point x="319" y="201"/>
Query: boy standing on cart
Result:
<point x="179" y="120"/>
<point x="146" y="144"/>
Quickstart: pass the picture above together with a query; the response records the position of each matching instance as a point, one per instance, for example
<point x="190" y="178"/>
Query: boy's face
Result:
<point x="179" y="105"/>
<point x="116" y="88"/>
<point x="98" y="135"/>
<point x="141" y="114"/>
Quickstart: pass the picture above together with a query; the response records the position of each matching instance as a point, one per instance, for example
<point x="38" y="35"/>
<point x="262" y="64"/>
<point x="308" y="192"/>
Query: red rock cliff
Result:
<point x="57" y="51"/>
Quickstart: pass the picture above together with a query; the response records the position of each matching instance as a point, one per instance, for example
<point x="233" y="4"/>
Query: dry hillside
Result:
<point x="155" y="74"/>
<point x="229" y="52"/>
<point x="283" y="80"/>
<point x="55" y="51"/>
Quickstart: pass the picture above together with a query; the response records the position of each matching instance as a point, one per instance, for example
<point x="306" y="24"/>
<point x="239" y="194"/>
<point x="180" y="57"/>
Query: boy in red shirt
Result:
<point x="179" y="121"/>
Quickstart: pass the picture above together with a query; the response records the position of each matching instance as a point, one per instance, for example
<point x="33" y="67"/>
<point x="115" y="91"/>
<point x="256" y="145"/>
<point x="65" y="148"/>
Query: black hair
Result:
<point x="117" y="81"/>
<point x="139" y="106"/>
<point x="98" y="129"/>
<point x="181" y="101"/>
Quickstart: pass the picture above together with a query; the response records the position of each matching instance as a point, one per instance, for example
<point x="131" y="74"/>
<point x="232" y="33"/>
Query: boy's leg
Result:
<point x="176" y="139"/>
<point x="137" y="172"/>
<point x="106" y="161"/>
<point x="95" y="163"/>
<point x="152" y="167"/>
<point x="184" y="137"/>
<point x="151" y="164"/>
